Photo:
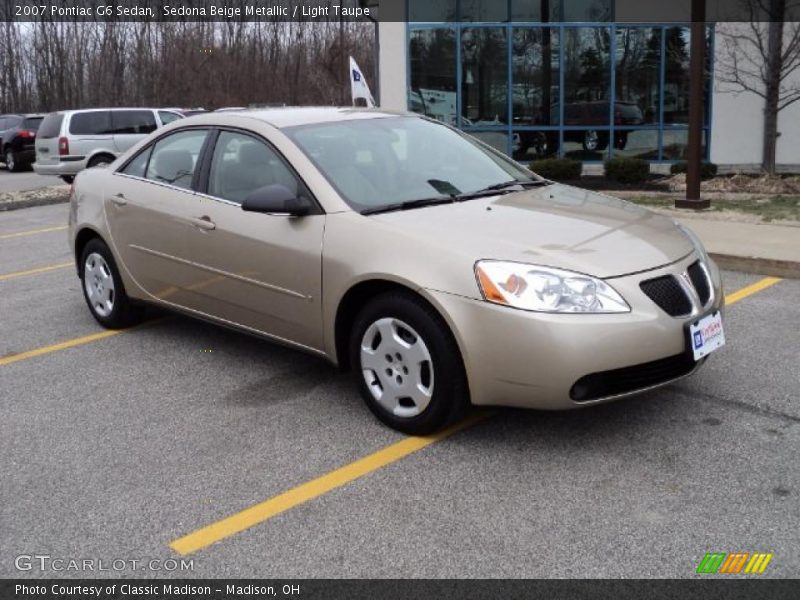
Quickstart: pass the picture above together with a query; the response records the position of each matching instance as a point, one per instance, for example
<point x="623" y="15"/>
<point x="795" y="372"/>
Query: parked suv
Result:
<point x="596" y="113"/>
<point x="72" y="140"/>
<point x="590" y="115"/>
<point x="17" y="139"/>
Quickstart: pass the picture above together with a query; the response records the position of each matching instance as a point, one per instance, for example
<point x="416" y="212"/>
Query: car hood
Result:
<point x="557" y="226"/>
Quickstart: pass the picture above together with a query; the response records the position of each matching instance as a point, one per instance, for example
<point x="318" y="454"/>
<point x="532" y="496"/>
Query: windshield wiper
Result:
<point x="492" y="190"/>
<point x="513" y="182"/>
<point x="409" y="204"/>
<point x="502" y="187"/>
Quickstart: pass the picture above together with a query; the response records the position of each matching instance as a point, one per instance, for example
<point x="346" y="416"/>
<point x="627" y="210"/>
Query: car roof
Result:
<point x="306" y="115"/>
<point x="72" y="111"/>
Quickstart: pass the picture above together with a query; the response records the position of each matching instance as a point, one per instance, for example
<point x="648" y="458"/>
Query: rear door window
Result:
<point x="96" y="122"/>
<point x="51" y="126"/>
<point x="138" y="165"/>
<point x="132" y="122"/>
<point x="175" y="157"/>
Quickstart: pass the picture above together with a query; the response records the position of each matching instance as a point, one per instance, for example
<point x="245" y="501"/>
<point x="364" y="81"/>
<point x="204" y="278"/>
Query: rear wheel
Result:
<point x="407" y="364"/>
<point x="100" y="161"/>
<point x="103" y="289"/>
<point x="12" y="164"/>
<point x="594" y="141"/>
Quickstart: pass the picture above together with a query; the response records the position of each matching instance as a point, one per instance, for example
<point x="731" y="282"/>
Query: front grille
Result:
<point x="700" y="282"/>
<point x="629" y="379"/>
<point x="668" y="294"/>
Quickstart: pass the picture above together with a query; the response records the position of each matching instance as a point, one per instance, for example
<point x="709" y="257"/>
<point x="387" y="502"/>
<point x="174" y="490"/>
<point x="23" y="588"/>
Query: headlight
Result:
<point x="545" y="289"/>
<point x="698" y="245"/>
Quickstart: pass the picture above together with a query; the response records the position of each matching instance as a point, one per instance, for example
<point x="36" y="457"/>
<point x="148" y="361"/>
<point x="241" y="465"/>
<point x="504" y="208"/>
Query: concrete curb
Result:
<point x="758" y="266"/>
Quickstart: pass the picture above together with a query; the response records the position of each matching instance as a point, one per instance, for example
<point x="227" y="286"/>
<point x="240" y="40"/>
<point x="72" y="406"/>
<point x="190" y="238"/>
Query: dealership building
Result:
<point x="545" y="78"/>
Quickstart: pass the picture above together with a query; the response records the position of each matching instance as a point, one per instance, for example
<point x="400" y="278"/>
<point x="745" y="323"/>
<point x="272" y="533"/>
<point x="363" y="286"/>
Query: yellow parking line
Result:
<point x="204" y="537"/>
<point x="7" y="360"/>
<point x="35" y="271"/>
<point x="6" y="236"/>
<point x="79" y="341"/>
<point x="750" y="290"/>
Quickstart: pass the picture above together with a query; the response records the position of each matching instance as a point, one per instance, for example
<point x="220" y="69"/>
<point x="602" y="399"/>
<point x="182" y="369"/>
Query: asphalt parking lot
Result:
<point x="117" y="446"/>
<point x="24" y="180"/>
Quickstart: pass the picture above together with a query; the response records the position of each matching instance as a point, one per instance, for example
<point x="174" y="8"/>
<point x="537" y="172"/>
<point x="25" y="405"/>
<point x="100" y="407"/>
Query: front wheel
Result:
<point x="407" y="364"/>
<point x="103" y="289"/>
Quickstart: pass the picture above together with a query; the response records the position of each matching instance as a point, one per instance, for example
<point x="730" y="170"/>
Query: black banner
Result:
<point x="414" y="11"/>
<point x="262" y="589"/>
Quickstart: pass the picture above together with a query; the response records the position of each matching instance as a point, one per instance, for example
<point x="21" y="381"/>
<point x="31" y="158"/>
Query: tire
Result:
<point x="594" y="141"/>
<point x="100" y="161"/>
<point x="12" y="164"/>
<point x="424" y="389"/>
<point x="103" y="289"/>
<point x="67" y="178"/>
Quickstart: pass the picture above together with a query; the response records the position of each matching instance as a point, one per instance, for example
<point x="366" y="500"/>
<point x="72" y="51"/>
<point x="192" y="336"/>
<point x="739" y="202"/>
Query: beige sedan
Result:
<point x="436" y="269"/>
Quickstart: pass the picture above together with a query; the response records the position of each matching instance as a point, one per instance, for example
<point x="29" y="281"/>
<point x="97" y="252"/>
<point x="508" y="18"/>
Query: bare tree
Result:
<point x="55" y="65"/>
<point x="762" y="57"/>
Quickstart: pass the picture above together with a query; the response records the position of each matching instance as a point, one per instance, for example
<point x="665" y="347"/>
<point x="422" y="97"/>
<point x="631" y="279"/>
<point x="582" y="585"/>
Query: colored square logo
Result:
<point x="698" y="339"/>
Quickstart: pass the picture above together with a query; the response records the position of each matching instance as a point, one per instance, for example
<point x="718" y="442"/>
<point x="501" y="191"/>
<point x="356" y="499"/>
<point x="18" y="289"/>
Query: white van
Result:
<point x="71" y="140"/>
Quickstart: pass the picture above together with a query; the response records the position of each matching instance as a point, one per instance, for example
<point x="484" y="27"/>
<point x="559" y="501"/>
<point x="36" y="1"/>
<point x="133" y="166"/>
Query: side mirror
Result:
<point x="276" y="200"/>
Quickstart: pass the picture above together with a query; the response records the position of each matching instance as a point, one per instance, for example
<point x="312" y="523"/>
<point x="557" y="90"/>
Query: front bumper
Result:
<point x="534" y="360"/>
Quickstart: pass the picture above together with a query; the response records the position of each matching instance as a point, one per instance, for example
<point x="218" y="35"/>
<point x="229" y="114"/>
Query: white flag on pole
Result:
<point x="358" y="85"/>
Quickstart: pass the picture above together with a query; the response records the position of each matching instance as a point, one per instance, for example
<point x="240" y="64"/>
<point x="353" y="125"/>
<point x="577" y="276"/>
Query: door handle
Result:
<point x="119" y="199"/>
<point x="204" y="223"/>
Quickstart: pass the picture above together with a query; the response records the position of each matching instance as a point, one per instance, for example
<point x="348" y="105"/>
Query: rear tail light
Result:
<point x="27" y="134"/>
<point x="63" y="146"/>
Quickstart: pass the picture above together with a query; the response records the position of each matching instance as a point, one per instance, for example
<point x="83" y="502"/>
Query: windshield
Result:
<point x="379" y="162"/>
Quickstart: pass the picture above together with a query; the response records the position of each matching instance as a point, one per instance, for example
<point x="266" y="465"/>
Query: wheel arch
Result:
<point x="83" y="237"/>
<point x="362" y="292"/>
<point x="99" y="154"/>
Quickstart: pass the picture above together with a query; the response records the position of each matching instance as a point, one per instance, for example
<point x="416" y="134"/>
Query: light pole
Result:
<point x="697" y="66"/>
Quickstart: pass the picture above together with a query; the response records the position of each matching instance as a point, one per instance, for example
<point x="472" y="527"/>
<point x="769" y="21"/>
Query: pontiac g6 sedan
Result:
<point x="436" y="269"/>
